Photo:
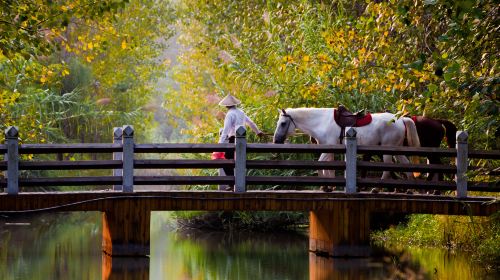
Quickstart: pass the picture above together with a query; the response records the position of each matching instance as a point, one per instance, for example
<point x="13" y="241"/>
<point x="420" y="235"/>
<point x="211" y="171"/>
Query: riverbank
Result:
<point x="241" y="221"/>
<point x="479" y="237"/>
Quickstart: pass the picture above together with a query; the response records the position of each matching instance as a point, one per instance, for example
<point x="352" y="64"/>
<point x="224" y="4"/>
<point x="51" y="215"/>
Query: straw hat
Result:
<point x="229" y="100"/>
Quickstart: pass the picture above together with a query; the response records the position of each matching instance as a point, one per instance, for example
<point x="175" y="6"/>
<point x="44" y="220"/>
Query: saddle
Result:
<point x="344" y="118"/>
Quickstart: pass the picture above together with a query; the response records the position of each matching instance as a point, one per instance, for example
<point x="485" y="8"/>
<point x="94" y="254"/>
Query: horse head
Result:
<point x="284" y="127"/>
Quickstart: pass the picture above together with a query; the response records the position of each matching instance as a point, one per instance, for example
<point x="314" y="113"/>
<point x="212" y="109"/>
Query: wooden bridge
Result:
<point x="339" y="221"/>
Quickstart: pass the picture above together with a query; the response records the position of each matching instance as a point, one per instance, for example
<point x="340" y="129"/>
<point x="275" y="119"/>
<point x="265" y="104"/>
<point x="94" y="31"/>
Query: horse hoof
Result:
<point x="409" y="192"/>
<point x="374" y="190"/>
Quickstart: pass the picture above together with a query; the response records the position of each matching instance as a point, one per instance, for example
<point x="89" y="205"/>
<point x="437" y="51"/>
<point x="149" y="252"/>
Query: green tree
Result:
<point x="71" y="70"/>
<point x="416" y="57"/>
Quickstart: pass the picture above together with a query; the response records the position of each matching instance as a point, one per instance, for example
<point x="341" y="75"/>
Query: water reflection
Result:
<point x="50" y="246"/>
<point x="68" y="246"/>
<point x="119" y="268"/>
<point x="219" y="255"/>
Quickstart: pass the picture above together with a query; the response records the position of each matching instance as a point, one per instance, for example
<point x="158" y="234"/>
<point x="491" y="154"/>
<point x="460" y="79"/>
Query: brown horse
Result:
<point x="431" y="133"/>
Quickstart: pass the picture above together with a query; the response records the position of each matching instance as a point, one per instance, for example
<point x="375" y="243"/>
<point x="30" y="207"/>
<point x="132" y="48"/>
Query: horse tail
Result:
<point x="411" y="132"/>
<point x="411" y="136"/>
<point x="451" y="132"/>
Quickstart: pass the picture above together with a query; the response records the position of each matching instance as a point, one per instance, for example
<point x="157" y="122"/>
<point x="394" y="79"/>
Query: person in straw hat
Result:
<point x="234" y="118"/>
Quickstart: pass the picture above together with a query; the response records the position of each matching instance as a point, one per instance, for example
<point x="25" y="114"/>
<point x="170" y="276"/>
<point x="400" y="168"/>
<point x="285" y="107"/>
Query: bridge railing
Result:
<point x="123" y="164"/>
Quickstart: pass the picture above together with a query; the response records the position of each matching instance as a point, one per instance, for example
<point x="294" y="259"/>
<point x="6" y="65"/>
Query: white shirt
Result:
<point x="234" y="118"/>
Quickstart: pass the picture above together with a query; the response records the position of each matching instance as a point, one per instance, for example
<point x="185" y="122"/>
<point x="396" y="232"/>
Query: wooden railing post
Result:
<point x="128" y="158"/>
<point x="12" y="142"/>
<point x="5" y="157"/>
<point x="240" y="160"/>
<point x="117" y="139"/>
<point x="461" y="163"/>
<point x="350" y="160"/>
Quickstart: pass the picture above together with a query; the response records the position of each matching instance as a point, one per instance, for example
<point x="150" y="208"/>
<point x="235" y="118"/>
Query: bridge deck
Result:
<point x="251" y="201"/>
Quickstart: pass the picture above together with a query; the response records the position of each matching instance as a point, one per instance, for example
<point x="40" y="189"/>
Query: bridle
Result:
<point x="292" y="121"/>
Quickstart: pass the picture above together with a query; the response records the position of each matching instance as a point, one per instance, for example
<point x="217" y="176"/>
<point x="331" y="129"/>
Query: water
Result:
<point x="68" y="246"/>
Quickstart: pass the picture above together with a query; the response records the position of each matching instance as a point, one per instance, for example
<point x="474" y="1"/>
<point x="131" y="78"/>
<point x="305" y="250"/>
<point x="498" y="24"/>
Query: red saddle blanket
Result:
<point x="366" y="120"/>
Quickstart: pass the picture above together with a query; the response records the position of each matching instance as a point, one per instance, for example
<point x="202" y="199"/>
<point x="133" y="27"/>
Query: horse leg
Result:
<point x="326" y="173"/>
<point x="385" y="174"/>
<point x="386" y="159"/>
<point x="409" y="175"/>
<point x="435" y="176"/>
<point x="403" y="159"/>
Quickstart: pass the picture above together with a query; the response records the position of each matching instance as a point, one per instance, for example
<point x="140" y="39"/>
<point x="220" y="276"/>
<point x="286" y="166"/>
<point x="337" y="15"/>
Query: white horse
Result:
<point x="385" y="129"/>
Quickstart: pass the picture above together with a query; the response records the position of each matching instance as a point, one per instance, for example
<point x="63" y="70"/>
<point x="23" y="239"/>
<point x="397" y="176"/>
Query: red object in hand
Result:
<point x="218" y="155"/>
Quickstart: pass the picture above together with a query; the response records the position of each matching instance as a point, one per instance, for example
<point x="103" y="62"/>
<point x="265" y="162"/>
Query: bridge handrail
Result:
<point x="183" y="148"/>
<point x="124" y="172"/>
<point x="251" y="148"/>
<point x="227" y="163"/>
<point x="294" y="148"/>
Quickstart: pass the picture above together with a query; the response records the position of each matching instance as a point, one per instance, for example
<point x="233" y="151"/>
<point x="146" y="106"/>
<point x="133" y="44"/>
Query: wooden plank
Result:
<point x="69" y="165"/>
<point x="494" y="154"/>
<point x="337" y="230"/>
<point x="408" y="184"/>
<point x="267" y="204"/>
<point x="183" y="163"/>
<point x="70" y="181"/>
<point x="353" y="232"/>
<point x="183" y="180"/>
<point x="259" y="200"/>
<point x="295" y="164"/>
<point x="401" y="167"/>
<point x="341" y="223"/>
<point x="366" y="218"/>
<point x="166" y="203"/>
<point x="400" y="150"/>
<point x="484" y="186"/>
<point x="69" y="148"/>
<point x="182" y="148"/>
<point x="294" y="148"/>
<point x="295" y="180"/>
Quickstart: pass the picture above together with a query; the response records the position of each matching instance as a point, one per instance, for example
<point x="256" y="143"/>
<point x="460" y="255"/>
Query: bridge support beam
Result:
<point x="126" y="230"/>
<point x="341" y="232"/>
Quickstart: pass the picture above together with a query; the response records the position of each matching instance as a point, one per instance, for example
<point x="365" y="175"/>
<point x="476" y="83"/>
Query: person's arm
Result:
<point x="228" y="121"/>
<point x="253" y="126"/>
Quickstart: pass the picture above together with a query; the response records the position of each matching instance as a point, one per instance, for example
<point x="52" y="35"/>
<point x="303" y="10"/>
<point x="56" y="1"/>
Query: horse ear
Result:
<point x="283" y="111"/>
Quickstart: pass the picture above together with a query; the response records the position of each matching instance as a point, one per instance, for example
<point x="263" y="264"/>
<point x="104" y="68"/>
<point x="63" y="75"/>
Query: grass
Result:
<point x="478" y="235"/>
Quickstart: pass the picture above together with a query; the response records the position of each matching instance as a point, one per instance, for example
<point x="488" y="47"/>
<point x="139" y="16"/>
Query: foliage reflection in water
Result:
<point x="51" y="246"/>
<point x="220" y="255"/>
<point x="68" y="246"/>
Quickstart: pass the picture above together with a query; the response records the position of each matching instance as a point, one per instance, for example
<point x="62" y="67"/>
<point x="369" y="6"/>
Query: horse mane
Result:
<point x="305" y="113"/>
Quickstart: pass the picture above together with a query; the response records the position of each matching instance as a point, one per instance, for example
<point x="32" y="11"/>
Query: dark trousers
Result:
<point x="230" y="155"/>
